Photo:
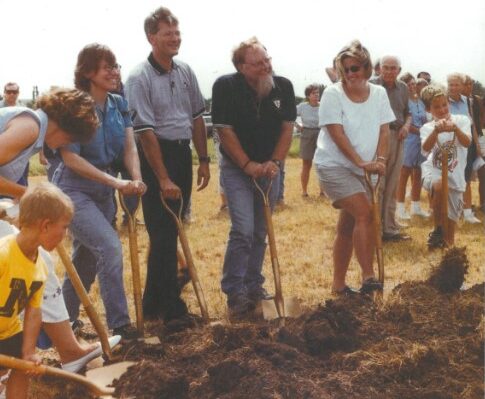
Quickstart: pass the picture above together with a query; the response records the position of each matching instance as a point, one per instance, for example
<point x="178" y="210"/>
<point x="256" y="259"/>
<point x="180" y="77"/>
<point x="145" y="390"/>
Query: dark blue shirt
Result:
<point x="257" y="123"/>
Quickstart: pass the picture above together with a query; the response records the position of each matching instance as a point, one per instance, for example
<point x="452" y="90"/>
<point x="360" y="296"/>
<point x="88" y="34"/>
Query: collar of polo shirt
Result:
<point x="161" y="70"/>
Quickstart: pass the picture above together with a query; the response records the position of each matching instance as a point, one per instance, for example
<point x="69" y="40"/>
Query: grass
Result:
<point x="305" y="230"/>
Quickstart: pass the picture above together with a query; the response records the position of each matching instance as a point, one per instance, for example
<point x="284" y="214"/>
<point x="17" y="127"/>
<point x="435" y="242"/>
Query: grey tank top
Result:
<point x="14" y="169"/>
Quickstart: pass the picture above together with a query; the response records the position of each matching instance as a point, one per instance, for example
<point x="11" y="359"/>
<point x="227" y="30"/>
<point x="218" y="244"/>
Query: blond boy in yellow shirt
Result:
<point x="44" y="215"/>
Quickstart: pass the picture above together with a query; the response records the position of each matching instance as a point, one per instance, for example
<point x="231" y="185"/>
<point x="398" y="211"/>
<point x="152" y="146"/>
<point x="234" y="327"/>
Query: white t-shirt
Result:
<point x="361" y="123"/>
<point x="431" y="168"/>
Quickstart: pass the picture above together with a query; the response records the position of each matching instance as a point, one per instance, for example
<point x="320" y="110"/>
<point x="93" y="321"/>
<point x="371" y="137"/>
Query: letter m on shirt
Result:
<point x="18" y="295"/>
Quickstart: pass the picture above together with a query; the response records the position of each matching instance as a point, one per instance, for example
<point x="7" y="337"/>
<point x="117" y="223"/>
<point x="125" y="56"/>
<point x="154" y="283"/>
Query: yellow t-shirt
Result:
<point x="21" y="283"/>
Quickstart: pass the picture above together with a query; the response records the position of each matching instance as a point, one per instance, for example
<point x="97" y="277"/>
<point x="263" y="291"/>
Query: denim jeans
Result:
<point x="243" y="262"/>
<point x="96" y="248"/>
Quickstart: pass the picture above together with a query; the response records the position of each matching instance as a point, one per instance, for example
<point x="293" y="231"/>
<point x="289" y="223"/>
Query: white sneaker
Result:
<point x="471" y="218"/>
<point x="420" y="212"/>
<point x="402" y="214"/>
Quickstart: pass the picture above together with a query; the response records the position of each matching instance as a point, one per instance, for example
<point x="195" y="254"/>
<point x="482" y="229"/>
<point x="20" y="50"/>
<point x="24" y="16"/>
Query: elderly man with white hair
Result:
<point x="398" y="95"/>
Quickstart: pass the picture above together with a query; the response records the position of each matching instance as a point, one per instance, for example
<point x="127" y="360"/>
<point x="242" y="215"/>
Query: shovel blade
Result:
<point x="104" y="376"/>
<point x="270" y="312"/>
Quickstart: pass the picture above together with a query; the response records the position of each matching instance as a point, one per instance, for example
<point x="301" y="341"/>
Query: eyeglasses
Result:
<point x="353" y="69"/>
<point x="261" y="63"/>
<point x="11" y="92"/>
<point x="112" y="68"/>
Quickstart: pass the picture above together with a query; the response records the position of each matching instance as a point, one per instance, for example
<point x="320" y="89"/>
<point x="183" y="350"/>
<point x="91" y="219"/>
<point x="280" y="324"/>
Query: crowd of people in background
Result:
<point x="373" y="119"/>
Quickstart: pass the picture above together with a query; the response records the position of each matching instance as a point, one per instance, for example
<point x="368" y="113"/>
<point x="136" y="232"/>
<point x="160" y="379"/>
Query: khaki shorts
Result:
<point x="340" y="182"/>
<point x="455" y="199"/>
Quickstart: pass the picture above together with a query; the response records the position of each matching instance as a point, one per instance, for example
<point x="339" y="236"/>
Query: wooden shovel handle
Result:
<point x="376" y="219"/>
<point x="279" y="300"/>
<point x="199" y="293"/>
<point x="84" y="298"/>
<point x="135" y="262"/>
<point x="444" y="192"/>
<point x="24" y="365"/>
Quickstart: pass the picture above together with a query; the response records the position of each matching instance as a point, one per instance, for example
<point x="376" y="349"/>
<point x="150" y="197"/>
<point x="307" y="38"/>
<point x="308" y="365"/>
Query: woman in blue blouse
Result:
<point x="86" y="177"/>
<point x="412" y="154"/>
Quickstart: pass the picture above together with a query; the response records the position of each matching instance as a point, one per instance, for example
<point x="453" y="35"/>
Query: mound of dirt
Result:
<point x="449" y="275"/>
<point x="423" y="342"/>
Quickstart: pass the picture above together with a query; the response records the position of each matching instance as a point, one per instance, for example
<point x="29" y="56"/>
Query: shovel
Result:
<point x="376" y="218"/>
<point x="135" y="262"/>
<point x="276" y="308"/>
<point x="444" y="193"/>
<point x="24" y="365"/>
<point x="188" y="257"/>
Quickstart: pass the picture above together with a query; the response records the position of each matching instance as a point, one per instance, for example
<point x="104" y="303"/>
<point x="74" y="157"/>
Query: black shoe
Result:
<point x="260" y="295"/>
<point x="240" y="307"/>
<point x="183" y="277"/>
<point x="346" y="291"/>
<point x="370" y="285"/>
<point x="389" y="237"/>
<point x="128" y="333"/>
<point x="77" y="326"/>
<point x="436" y="239"/>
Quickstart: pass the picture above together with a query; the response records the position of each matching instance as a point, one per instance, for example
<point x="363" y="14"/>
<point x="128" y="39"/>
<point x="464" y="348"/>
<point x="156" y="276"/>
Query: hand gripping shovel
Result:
<point x="135" y="262"/>
<point x="188" y="257"/>
<point x="376" y="217"/>
<point x="24" y="365"/>
<point x="276" y="308"/>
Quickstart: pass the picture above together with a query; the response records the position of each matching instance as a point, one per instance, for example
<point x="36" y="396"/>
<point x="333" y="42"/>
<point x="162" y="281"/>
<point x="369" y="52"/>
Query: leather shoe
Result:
<point x="346" y="291"/>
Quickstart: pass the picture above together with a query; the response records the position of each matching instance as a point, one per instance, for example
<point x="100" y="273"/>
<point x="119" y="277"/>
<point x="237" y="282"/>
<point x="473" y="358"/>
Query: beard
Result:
<point x="264" y="86"/>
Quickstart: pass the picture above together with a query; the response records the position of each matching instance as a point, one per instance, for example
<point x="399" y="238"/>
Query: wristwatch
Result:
<point x="277" y="162"/>
<point x="205" y="159"/>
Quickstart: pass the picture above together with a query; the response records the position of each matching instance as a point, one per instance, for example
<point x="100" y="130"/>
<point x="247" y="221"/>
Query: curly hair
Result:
<point x="73" y="110"/>
<point x="88" y="60"/>
<point x="429" y="93"/>
<point x="357" y="51"/>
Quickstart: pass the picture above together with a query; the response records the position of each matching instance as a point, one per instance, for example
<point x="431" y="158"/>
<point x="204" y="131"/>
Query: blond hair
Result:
<point x="239" y="53"/>
<point x="44" y="201"/>
<point x="357" y="51"/>
<point x="430" y="92"/>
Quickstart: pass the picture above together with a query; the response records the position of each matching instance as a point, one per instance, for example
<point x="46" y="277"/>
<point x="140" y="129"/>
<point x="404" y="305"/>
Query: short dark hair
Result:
<point x="310" y="88"/>
<point x="10" y="84"/>
<point x="88" y="60"/>
<point x="161" y="14"/>
<point x="406" y="77"/>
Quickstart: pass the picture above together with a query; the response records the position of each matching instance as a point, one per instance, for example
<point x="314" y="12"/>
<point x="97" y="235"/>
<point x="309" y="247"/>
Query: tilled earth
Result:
<point x="424" y="342"/>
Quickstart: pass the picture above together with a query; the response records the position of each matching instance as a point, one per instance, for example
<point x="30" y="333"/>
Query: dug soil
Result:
<point x="425" y="341"/>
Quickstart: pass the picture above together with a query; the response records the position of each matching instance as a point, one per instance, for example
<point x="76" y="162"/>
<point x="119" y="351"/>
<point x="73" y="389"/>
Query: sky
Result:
<point x="41" y="39"/>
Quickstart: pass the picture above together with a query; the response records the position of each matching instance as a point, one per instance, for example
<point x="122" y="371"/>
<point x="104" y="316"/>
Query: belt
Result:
<point x="175" y="142"/>
<point x="394" y="126"/>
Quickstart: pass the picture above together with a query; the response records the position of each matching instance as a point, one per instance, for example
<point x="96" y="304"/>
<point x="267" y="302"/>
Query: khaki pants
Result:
<point x="387" y="191"/>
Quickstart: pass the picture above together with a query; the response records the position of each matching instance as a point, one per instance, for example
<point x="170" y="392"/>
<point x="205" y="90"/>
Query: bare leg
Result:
<point x="17" y="385"/>
<point x="305" y="175"/>
<point x="403" y="181"/>
<point x="65" y="342"/>
<point x="481" y="186"/>
<point x="354" y="230"/>
<point x="416" y="184"/>
<point x="436" y="203"/>
<point x="467" y="197"/>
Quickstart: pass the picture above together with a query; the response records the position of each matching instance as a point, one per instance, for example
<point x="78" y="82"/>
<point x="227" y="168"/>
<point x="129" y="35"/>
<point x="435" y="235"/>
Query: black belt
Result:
<point x="174" y="142"/>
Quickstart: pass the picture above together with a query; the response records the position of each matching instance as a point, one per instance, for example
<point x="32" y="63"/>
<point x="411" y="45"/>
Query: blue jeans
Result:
<point x="246" y="246"/>
<point x="96" y="249"/>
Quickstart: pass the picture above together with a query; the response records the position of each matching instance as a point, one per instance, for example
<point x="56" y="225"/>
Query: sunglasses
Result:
<point x="11" y="92"/>
<point x="353" y="69"/>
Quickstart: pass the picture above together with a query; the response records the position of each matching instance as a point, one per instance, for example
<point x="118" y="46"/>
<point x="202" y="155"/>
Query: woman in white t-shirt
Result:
<point x="354" y="116"/>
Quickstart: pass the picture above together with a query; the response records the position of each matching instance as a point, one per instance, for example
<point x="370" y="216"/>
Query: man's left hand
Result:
<point x="270" y="169"/>
<point x="403" y="133"/>
<point x="203" y="176"/>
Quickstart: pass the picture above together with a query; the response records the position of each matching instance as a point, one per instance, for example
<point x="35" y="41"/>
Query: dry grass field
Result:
<point x="304" y="229"/>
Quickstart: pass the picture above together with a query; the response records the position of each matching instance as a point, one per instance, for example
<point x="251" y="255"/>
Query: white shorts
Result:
<point x="53" y="307"/>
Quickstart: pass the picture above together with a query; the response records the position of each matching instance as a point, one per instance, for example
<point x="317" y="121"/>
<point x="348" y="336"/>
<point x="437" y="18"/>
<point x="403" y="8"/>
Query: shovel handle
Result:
<point x="444" y="192"/>
<point x="199" y="293"/>
<point x="26" y="366"/>
<point x="84" y="298"/>
<point x="279" y="300"/>
<point x="376" y="219"/>
<point x="135" y="262"/>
